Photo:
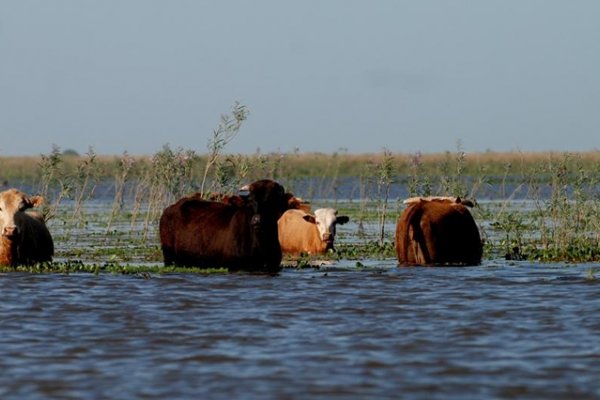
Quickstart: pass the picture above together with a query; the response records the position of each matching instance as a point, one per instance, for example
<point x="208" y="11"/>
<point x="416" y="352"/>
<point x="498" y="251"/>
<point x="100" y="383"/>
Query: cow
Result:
<point x="234" y="199"/>
<point x="438" y="231"/>
<point x="24" y="237"/>
<point x="210" y="234"/>
<point x="303" y="233"/>
<point x="293" y="202"/>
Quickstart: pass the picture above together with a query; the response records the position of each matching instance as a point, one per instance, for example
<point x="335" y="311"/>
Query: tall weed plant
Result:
<point x="225" y="132"/>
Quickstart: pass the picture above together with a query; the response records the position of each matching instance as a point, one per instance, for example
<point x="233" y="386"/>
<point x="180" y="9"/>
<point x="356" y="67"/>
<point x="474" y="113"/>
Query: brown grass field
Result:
<point x="490" y="163"/>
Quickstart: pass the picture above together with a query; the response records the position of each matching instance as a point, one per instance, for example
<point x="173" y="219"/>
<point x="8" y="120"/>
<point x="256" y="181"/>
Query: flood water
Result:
<point x="500" y="330"/>
<point x="367" y="330"/>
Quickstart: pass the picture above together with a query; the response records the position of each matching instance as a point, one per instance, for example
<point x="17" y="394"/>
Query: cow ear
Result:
<point x="467" y="203"/>
<point x="244" y="191"/>
<point x="309" y="218"/>
<point x="35" y="201"/>
<point x="342" y="220"/>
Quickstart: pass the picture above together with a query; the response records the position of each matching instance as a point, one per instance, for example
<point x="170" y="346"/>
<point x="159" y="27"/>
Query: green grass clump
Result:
<point x="72" y="267"/>
<point x="368" y="250"/>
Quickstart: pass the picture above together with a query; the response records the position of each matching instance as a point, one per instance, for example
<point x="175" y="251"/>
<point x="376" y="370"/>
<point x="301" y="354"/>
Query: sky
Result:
<point x="316" y="75"/>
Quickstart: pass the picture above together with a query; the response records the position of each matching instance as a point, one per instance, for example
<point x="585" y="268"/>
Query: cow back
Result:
<point x="438" y="232"/>
<point x="297" y="235"/>
<point x="214" y="234"/>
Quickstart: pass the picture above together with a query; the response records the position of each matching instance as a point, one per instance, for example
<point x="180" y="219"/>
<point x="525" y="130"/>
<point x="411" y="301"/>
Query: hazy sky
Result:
<point x="316" y="75"/>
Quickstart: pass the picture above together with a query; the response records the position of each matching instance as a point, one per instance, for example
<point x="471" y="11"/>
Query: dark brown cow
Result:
<point x="437" y="230"/>
<point x="293" y="202"/>
<point x="24" y="237"/>
<point x="196" y="232"/>
<point x="233" y="200"/>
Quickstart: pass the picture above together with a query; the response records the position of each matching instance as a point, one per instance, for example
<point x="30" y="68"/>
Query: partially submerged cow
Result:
<point x="24" y="237"/>
<point x="293" y="202"/>
<point x="437" y="230"/>
<point x="241" y="235"/>
<point x="303" y="233"/>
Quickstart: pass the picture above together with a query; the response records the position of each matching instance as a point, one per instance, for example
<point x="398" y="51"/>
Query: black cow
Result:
<point x="240" y="235"/>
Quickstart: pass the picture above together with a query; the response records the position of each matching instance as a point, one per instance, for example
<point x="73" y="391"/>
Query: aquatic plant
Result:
<point x="52" y="177"/>
<point x="76" y="266"/>
<point x="545" y="205"/>
<point x="83" y="183"/>
<point x="123" y="170"/>
<point x="385" y="178"/>
<point x="419" y="183"/>
<point x="227" y="129"/>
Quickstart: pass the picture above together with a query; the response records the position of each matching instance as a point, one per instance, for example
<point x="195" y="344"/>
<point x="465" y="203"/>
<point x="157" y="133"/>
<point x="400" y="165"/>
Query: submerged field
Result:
<point x="542" y="207"/>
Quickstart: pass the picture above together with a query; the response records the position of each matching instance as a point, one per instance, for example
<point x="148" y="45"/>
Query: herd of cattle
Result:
<point x="251" y="231"/>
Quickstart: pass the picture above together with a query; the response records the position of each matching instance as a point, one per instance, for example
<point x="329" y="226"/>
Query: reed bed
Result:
<point x="530" y="206"/>
<point x="26" y="169"/>
<point x="535" y="206"/>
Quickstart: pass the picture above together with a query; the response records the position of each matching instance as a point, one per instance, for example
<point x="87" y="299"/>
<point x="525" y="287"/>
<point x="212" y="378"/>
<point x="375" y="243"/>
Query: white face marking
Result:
<point x="326" y="221"/>
<point x="11" y="202"/>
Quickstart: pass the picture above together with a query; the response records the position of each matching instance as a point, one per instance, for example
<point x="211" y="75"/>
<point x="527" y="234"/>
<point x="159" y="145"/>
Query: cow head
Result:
<point x="297" y="203"/>
<point x="268" y="201"/>
<point x="12" y="202"/>
<point x="326" y="220"/>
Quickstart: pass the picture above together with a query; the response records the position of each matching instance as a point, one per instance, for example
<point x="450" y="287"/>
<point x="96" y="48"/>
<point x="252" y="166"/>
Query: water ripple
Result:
<point x="416" y="333"/>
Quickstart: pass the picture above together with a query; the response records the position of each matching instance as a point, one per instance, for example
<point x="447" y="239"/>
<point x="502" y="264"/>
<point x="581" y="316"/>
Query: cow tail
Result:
<point x="416" y="243"/>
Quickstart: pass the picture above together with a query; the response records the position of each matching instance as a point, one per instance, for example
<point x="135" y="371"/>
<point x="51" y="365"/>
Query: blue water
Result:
<point x="509" y="331"/>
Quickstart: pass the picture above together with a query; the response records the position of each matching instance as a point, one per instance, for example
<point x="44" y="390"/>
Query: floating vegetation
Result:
<point x="72" y="267"/>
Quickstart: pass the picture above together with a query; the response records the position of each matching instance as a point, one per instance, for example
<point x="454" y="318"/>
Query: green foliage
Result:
<point x="83" y="183"/>
<point x="52" y="173"/>
<point x="419" y="183"/>
<point x="556" y="217"/>
<point x="227" y="129"/>
<point x="124" y="165"/>
<point x="369" y="249"/>
<point x="563" y="226"/>
<point x="73" y="267"/>
<point x="385" y="178"/>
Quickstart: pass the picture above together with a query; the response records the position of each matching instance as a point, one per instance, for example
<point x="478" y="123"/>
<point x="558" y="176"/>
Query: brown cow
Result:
<point x="293" y="202"/>
<point x="437" y="230"/>
<point x="300" y="232"/>
<point x="24" y="237"/>
<point x="196" y="232"/>
<point x="233" y="200"/>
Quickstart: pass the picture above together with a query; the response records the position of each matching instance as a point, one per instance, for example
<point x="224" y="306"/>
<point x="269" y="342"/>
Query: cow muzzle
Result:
<point x="10" y="231"/>
<point x="328" y="240"/>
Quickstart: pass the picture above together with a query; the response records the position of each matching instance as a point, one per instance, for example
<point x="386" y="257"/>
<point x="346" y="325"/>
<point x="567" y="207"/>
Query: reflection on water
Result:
<point x="495" y="331"/>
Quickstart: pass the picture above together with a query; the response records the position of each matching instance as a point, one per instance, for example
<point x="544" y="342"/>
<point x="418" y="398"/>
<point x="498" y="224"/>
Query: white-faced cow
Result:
<point x="24" y="237"/>
<point x="303" y="233"/>
<point x="437" y="230"/>
<point x="239" y="235"/>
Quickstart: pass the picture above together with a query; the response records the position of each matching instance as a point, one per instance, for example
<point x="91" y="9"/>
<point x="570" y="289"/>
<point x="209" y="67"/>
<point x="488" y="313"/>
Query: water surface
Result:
<point x="500" y="330"/>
